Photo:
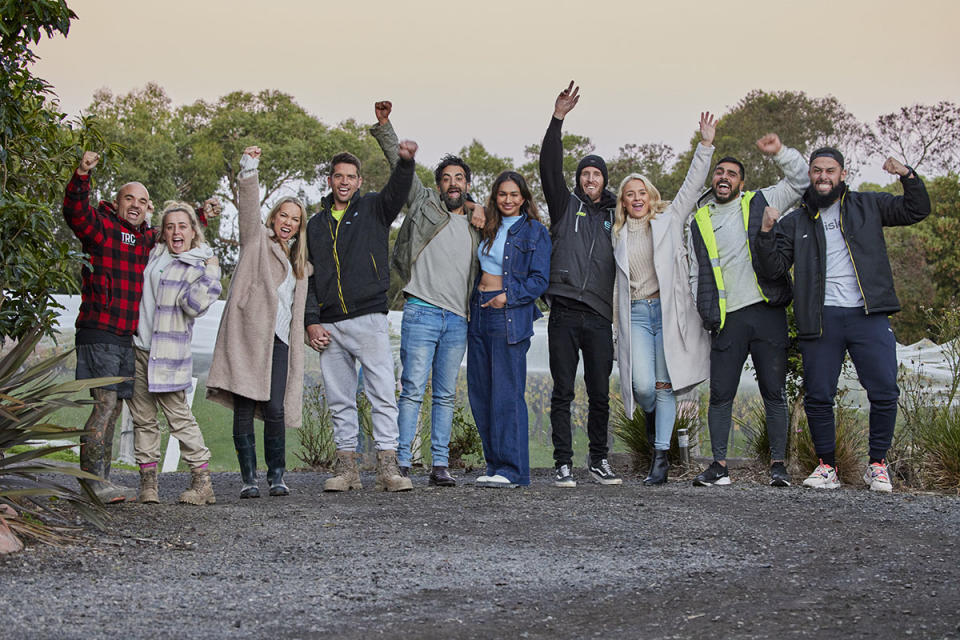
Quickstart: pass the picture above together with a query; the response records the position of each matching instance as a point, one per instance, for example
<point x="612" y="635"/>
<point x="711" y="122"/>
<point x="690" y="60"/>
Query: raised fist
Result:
<point x="88" y="162"/>
<point x="770" y="144"/>
<point x="254" y="152"/>
<point x="407" y="149"/>
<point x="383" y="109"/>
<point x="566" y="101"/>
<point x="895" y="167"/>
<point x="770" y="217"/>
<point x="211" y="206"/>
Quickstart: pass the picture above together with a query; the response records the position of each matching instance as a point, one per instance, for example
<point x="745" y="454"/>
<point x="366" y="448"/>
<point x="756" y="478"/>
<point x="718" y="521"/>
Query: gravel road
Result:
<point x="744" y="561"/>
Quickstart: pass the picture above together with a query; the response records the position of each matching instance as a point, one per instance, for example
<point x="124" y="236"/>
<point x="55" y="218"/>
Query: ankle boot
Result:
<point x="659" y="468"/>
<point x="651" y="424"/>
<point x="388" y="474"/>
<point x="201" y="489"/>
<point x="347" y="476"/>
<point x="246" y="445"/>
<point x="274" y="450"/>
<point x="149" y="490"/>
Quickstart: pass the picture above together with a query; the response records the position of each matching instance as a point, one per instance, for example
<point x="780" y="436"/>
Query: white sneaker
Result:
<point x="481" y="479"/>
<point x="877" y="478"/>
<point x="823" y="477"/>
<point x="497" y="481"/>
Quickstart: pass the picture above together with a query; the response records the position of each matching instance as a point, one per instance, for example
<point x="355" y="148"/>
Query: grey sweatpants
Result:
<point x="365" y="339"/>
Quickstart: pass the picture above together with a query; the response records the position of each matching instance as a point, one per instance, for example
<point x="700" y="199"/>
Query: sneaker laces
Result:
<point x="878" y="471"/>
<point x="607" y="469"/>
<point x="823" y="470"/>
<point x="563" y="471"/>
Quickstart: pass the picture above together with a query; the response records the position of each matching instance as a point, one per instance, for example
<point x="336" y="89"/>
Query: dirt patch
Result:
<point x="745" y="561"/>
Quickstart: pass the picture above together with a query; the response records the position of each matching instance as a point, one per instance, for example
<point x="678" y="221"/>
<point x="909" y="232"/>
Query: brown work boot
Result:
<point x="388" y="473"/>
<point x="149" y="491"/>
<point x="347" y="476"/>
<point x="201" y="489"/>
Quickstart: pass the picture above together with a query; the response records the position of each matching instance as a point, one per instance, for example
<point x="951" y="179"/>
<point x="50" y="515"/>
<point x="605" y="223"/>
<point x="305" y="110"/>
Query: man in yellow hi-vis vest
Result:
<point x="743" y="311"/>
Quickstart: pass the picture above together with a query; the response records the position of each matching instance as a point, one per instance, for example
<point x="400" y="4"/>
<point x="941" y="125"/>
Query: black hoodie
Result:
<point x="582" y="268"/>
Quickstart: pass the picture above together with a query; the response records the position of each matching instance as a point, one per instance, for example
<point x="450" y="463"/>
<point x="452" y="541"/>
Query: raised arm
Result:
<point x="775" y="243"/>
<point x="551" y="154"/>
<point x="795" y="177"/>
<point x="248" y="183"/>
<point x="386" y="137"/>
<point x="910" y="208"/>
<point x="393" y="196"/>
<point x="699" y="169"/>
<point x="82" y="218"/>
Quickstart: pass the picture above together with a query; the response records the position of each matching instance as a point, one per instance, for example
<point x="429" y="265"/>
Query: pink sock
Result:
<point x="149" y="465"/>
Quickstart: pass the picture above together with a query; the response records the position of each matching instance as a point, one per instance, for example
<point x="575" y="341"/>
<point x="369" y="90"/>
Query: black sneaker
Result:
<point x="563" y="477"/>
<point x="778" y="475"/>
<point x="603" y="473"/>
<point x="716" y="473"/>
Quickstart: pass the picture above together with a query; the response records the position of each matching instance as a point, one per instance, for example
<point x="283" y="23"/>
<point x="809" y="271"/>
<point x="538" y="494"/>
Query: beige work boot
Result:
<point x="347" y="476"/>
<point x="201" y="489"/>
<point x="149" y="491"/>
<point x="388" y="473"/>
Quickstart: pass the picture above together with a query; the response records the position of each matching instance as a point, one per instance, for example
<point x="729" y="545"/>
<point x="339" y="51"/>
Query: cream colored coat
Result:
<point x="243" y="355"/>
<point x="686" y="344"/>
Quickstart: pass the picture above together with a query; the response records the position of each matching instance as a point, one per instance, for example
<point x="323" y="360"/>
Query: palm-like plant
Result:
<point x="29" y="483"/>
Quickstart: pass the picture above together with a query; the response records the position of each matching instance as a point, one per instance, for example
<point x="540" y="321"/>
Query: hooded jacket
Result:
<point x="798" y="239"/>
<point x="351" y="272"/>
<point x="581" y="264"/>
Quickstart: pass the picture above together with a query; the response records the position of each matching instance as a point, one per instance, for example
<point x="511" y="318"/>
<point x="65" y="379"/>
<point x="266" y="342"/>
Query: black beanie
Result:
<point x="827" y="152"/>
<point x="596" y="162"/>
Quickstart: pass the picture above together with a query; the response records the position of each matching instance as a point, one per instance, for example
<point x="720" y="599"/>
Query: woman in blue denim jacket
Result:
<point x="514" y="256"/>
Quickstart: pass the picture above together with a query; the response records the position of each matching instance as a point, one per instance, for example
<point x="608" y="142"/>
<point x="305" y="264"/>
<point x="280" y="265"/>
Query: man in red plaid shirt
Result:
<point x="117" y="237"/>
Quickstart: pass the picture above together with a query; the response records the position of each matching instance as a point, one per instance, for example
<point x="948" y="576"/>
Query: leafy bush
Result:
<point x="464" y="439"/>
<point x="632" y="432"/>
<point x="317" y="448"/>
<point x="29" y="483"/>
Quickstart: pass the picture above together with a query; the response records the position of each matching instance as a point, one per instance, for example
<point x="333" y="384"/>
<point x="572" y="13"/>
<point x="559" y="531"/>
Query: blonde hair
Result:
<point x="656" y="204"/>
<point x="175" y="205"/>
<point x="296" y="252"/>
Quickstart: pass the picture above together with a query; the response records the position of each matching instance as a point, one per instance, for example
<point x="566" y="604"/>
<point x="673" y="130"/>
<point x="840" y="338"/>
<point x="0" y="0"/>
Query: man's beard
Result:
<point x="453" y="203"/>
<point x="734" y="193"/>
<point x="822" y="201"/>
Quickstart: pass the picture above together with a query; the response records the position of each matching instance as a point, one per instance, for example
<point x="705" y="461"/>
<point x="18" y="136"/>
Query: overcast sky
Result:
<point x="491" y="69"/>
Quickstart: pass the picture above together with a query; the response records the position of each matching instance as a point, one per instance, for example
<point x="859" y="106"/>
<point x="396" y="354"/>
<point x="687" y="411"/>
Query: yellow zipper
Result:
<point x="374" y="261"/>
<point x="866" y="309"/>
<point x="336" y="261"/>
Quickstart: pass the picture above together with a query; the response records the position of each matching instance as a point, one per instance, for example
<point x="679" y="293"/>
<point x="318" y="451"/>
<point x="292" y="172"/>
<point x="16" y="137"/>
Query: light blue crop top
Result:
<point x="492" y="262"/>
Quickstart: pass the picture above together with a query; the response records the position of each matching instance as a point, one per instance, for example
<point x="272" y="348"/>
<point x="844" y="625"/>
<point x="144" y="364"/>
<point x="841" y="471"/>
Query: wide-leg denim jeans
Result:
<point x="432" y="340"/>
<point x="496" y="381"/>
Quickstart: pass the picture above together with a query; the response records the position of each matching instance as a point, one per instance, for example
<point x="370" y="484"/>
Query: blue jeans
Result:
<point x="649" y="367"/>
<point x="496" y="381"/>
<point x="431" y="339"/>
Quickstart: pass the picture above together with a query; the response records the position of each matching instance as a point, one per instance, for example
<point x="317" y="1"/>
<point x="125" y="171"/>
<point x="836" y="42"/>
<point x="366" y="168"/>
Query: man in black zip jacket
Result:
<point x="843" y="295"/>
<point x="346" y="309"/>
<point x="580" y="295"/>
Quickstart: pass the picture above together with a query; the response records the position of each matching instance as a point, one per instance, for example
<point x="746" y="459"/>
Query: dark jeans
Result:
<point x="873" y="349"/>
<point x="569" y="332"/>
<point x="496" y="381"/>
<point x="761" y="331"/>
<point x="272" y="410"/>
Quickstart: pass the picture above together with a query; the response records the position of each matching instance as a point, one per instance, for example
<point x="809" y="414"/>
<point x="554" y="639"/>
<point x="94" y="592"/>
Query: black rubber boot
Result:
<point x="659" y="468"/>
<point x="246" y="445"/>
<point x="274" y="450"/>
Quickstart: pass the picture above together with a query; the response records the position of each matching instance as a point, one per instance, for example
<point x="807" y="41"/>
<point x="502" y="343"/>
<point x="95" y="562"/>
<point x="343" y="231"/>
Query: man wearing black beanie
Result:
<point x="580" y="295"/>
<point x="843" y="296"/>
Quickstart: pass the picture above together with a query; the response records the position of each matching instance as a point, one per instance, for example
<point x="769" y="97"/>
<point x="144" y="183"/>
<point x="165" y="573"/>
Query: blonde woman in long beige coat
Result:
<point x="257" y="367"/>
<point x="662" y="348"/>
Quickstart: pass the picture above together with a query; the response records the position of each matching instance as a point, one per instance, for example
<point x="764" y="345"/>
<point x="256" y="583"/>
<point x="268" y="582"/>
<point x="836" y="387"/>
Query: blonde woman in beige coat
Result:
<point x="661" y="346"/>
<point x="257" y="367"/>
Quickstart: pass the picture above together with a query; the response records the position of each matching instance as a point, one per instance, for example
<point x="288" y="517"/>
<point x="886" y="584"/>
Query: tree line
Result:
<point x="189" y="152"/>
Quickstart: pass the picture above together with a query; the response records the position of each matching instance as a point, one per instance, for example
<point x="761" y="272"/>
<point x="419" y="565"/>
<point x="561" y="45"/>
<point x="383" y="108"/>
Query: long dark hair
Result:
<point x="528" y="209"/>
